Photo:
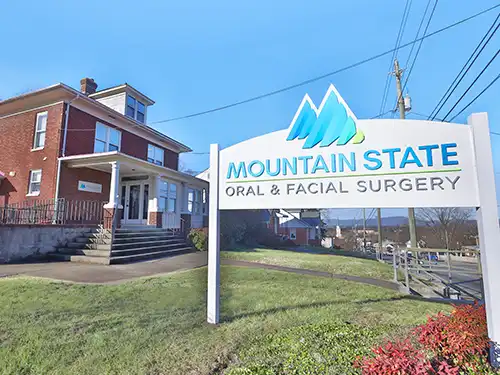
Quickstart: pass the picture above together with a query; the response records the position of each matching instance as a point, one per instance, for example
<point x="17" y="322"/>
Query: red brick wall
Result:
<point x="301" y="234"/>
<point x="16" y="141"/>
<point x="69" y="184"/>
<point x="82" y="141"/>
<point x="171" y="160"/>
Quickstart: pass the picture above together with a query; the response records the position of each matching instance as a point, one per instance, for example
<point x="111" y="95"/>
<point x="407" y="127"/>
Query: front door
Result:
<point x="135" y="198"/>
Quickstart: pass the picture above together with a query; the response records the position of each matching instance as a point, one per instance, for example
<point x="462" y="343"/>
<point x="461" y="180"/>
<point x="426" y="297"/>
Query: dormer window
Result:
<point x="135" y="109"/>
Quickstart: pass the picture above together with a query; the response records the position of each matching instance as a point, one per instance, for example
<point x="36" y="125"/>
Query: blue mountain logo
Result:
<point x="332" y="121"/>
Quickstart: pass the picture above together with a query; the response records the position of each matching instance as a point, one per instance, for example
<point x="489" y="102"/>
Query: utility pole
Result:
<point x="364" y="230"/>
<point x="402" y="111"/>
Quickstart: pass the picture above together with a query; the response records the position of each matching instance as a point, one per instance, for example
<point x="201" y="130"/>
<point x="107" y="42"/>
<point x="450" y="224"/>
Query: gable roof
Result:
<point x="62" y="92"/>
<point x="122" y="88"/>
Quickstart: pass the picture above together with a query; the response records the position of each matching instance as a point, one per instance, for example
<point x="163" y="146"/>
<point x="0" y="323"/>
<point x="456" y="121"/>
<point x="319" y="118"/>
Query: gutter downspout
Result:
<point x="63" y="150"/>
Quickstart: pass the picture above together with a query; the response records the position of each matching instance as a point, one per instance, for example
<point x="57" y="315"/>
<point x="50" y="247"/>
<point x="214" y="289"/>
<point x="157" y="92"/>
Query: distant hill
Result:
<point x="391" y="221"/>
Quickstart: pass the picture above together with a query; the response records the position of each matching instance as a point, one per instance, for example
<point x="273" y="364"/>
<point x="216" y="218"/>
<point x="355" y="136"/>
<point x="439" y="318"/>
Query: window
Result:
<point x="35" y="181"/>
<point x="131" y="103"/>
<point x="141" y="111"/>
<point x="135" y="109"/>
<point x="190" y="200"/>
<point x="168" y="196"/>
<point x="40" y="129"/>
<point x="172" y="198"/>
<point x="145" y="202"/>
<point x="194" y="201"/>
<point x="106" y="138"/>
<point x="197" y="202"/>
<point x="204" y="202"/>
<point x="155" y="155"/>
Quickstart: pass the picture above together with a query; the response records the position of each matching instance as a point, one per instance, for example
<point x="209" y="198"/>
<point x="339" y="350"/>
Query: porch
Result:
<point x="143" y="194"/>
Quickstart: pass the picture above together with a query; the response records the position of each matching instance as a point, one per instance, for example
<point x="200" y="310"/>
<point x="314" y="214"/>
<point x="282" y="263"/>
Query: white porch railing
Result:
<point x="171" y="220"/>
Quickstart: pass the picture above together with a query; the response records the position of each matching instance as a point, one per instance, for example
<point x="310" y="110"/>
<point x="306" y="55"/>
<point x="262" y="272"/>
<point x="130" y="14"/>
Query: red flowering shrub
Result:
<point x="460" y="337"/>
<point x="449" y="345"/>
<point x="396" y="358"/>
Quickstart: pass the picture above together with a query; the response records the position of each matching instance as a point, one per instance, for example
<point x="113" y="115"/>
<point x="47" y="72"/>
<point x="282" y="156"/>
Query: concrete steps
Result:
<point x="129" y="245"/>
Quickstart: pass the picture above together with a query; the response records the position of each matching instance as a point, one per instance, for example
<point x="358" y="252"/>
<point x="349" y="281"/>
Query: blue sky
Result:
<point x="191" y="56"/>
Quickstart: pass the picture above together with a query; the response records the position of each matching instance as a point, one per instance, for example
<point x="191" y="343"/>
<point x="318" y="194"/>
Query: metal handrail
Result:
<point x="52" y="211"/>
<point x="447" y="285"/>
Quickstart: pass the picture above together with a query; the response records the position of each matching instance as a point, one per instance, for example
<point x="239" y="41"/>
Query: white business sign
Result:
<point x="90" y="187"/>
<point x="327" y="158"/>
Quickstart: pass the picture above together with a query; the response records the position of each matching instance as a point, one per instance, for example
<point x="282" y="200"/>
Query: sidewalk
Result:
<point x="100" y="274"/>
<point x="119" y="273"/>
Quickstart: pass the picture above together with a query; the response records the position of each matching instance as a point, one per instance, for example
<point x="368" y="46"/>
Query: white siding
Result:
<point x="116" y="102"/>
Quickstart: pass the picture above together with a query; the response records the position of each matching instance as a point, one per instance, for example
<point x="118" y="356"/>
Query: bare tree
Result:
<point x="183" y="168"/>
<point x="444" y="222"/>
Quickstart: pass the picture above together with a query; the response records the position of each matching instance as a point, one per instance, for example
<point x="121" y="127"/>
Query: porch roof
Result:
<point x="129" y="166"/>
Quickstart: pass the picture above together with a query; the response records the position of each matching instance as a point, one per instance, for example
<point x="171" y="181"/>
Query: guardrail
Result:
<point x="435" y="269"/>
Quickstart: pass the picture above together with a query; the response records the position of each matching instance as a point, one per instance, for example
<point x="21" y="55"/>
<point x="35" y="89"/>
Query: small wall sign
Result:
<point x="90" y="187"/>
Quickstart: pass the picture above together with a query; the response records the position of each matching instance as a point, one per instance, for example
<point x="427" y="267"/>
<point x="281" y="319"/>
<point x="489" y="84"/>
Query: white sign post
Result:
<point x="327" y="158"/>
<point x="213" y="296"/>
<point x="489" y="233"/>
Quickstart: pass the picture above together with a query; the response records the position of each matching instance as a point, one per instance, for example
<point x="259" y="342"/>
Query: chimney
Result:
<point x="88" y="86"/>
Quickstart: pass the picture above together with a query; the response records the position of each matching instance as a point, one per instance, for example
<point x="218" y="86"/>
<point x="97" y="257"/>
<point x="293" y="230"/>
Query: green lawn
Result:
<point x="321" y="262"/>
<point x="157" y="325"/>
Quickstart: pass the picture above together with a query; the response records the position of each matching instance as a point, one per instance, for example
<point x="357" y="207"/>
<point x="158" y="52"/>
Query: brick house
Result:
<point x="58" y="143"/>
<point x="303" y="227"/>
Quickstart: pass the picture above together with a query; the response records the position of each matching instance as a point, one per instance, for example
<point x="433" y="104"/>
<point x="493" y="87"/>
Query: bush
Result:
<point x="199" y="239"/>
<point x="448" y="345"/>
<point x="245" y="227"/>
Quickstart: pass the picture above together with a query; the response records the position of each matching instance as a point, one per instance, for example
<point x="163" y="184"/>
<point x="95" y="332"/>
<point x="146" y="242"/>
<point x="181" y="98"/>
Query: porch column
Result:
<point x="113" y="207"/>
<point x="155" y="214"/>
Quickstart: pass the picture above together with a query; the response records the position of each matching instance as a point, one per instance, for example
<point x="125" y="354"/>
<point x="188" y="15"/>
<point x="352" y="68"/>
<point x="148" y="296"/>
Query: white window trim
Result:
<point x="155" y="148"/>
<point x="204" y="202"/>
<point x="108" y="136"/>
<point x="38" y="115"/>
<point x="30" y="182"/>
<point x="136" y="110"/>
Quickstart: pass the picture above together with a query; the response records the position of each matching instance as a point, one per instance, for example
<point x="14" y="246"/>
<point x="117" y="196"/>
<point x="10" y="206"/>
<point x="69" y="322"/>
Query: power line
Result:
<point x="354" y="65"/>
<point x="477" y="97"/>
<point x="399" y="37"/>
<point x="418" y="50"/>
<point x="377" y="116"/>
<point x="461" y="76"/>
<point x="418" y="30"/>
<point x="423" y="116"/>
<point x="472" y="84"/>
<point x="382" y="114"/>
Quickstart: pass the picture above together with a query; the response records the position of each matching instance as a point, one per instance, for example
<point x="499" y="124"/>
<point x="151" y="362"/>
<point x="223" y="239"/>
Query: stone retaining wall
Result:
<point x="18" y="242"/>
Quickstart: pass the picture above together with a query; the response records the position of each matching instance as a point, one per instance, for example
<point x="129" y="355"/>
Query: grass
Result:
<point x="332" y="263"/>
<point x="157" y="325"/>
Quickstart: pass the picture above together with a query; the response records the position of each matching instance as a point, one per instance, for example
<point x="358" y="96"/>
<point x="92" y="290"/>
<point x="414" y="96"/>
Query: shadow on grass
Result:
<point x="228" y="319"/>
<point x="243" y="249"/>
